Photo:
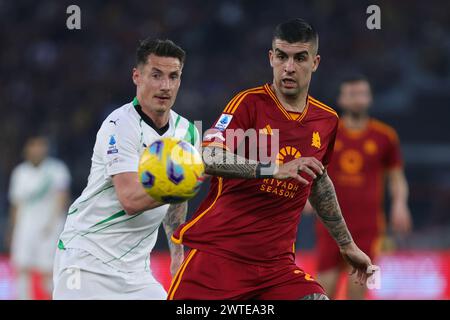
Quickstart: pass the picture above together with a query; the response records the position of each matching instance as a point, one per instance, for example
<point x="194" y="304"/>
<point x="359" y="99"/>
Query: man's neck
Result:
<point x="355" y="121"/>
<point x="160" y="119"/>
<point x="294" y="103"/>
<point x="36" y="163"/>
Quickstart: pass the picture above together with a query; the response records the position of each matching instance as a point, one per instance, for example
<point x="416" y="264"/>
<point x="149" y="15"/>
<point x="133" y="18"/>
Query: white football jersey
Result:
<point x="34" y="191"/>
<point x="96" y="221"/>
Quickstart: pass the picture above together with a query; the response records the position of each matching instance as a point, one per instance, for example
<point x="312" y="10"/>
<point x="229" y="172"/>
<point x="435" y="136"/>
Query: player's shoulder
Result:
<point x="21" y="167"/>
<point x="383" y="128"/>
<point x="125" y="113"/>
<point x="123" y="120"/>
<point x="247" y="96"/>
<point x="322" y="109"/>
<point x="55" y="163"/>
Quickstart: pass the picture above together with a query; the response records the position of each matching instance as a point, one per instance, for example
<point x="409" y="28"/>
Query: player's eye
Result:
<point x="281" y="56"/>
<point x="300" y="58"/>
<point x="156" y="75"/>
<point x="174" y="77"/>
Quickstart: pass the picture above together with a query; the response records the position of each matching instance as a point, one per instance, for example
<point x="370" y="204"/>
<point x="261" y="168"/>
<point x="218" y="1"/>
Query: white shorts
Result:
<point x="78" y="275"/>
<point x="34" y="249"/>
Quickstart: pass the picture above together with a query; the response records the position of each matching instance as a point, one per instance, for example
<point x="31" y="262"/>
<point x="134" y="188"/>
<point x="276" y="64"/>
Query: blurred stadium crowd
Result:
<point x="63" y="83"/>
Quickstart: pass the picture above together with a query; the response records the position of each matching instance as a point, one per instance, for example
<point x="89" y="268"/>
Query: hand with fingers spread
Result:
<point x="358" y="260"/>
<point x="310" y="165"/>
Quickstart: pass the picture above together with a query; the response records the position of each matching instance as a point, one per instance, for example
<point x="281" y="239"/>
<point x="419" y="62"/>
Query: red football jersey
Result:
<point x="255" y="220"/>
<point x="361" y="159"/>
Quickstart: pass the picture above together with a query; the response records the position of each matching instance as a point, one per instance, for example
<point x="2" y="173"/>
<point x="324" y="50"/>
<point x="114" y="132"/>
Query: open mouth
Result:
<point x="287" y="82"/>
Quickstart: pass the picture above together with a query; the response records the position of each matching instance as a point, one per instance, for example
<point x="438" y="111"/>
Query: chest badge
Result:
<point x="316" y="140"/>
<point x="370" y="147"/>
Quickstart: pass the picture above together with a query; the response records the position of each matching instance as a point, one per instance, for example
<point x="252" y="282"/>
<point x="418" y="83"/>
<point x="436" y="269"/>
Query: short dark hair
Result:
<point x="350" y="78"/>
<point x="160" y="48"/>
<point x="355" y="77"/>
<point x="296" y="30"/>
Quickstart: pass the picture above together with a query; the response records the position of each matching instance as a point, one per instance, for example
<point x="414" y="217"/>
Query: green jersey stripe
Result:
<point x="102" y="228"/>
<point x="61" y="245"/>
<point x="42" y="192"/>
<point x="177" y="121"/>
<point x="114" y="216"/>
<point x="72" y="212"/>
<point x="97" y="193"/>
<point x="191" y="134"/>
<point x="133" y="247"/>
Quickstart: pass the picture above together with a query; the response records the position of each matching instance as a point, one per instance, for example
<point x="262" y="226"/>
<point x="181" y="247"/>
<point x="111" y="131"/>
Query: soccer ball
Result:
<point x="171" y="170"/>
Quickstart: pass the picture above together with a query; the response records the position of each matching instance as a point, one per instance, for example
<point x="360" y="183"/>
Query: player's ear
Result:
<point x="135" y="76"/>
<point x="271" y="57"/>
<point x="316" y="61"/>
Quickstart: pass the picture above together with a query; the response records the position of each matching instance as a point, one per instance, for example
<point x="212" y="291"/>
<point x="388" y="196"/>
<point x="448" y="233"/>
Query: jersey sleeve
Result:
<point x="119" y="147"/>
<point x="330" y="147"/>
<point x="228" y="130"/>
<point x="393" y="156"/>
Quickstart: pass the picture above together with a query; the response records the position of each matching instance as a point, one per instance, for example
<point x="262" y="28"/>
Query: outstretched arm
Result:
<point x="323" y="199"/>
<point x="176" y="215"/>
<point x="220" y="162"/>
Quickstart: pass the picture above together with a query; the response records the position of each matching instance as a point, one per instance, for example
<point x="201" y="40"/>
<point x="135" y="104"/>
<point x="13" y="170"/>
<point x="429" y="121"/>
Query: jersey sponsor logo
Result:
<point x="223" y="121"/>
<point x="112" y="148"/>
<point x="114" y="121"/>
<point x="280" y="188"/>
<point x="316" y="140"/>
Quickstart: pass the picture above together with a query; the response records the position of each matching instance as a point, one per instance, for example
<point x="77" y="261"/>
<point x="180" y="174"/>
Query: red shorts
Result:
<point x="329" y="256"/>
<point x="204" y="276"/>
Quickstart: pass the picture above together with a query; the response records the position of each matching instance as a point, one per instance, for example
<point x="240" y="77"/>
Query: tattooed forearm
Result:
<point x="176" y="215"/>
<point x="323" y="199"/>
<point x="219" y="162"/>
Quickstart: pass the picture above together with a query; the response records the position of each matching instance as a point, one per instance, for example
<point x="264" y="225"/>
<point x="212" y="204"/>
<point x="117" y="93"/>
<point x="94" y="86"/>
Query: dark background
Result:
<point x="65" y="82"/>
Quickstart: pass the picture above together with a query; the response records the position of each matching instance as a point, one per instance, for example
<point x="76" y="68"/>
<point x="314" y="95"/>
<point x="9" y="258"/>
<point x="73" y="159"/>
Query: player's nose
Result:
<point x="289" y="66"/>
<point x="165" y="84"/>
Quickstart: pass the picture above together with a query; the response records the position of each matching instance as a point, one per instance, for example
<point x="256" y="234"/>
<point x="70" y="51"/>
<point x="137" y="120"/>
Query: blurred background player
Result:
<point x="39" y="195"/>
<point x="112" y="227"/>
<point x="366" y="152"/>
